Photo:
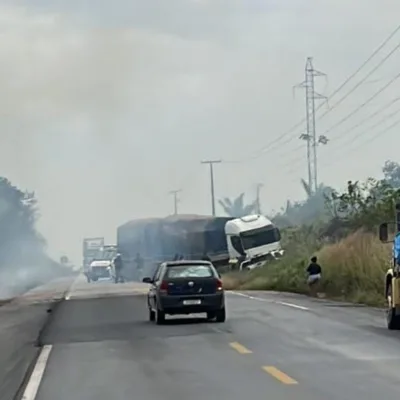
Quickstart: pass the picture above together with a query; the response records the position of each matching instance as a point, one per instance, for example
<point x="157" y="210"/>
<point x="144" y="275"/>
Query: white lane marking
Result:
<point x="250" y="297"/>
<point x="32" y="387"/>
<point x="293" y="305"/>
<point x="271" y="301"/>
<point x="68" y="295"/>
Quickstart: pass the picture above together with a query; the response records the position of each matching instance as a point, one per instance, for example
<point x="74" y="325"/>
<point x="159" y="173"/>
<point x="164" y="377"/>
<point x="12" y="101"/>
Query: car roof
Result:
<point x="187" y="262"/>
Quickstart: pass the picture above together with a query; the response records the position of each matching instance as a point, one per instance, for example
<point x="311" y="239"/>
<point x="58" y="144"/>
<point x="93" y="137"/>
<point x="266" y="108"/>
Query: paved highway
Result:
<point x="275" y="346"/>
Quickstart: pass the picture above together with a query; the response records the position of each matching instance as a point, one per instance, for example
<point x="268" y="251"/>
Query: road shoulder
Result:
<point x="21" y="324"/>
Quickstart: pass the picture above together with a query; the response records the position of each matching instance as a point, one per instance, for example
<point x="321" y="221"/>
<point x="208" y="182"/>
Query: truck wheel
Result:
<point x="393" y="320"/>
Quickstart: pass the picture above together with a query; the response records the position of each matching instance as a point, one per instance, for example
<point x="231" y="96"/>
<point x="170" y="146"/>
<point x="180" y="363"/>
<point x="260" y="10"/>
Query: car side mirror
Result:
<point x="147" y="280"/>
<point x="384" y="232"/>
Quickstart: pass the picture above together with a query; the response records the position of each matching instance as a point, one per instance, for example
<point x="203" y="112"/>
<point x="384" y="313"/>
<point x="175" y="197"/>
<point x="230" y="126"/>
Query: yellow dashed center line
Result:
<point x="240" y="348"/>
<point x="279" y="375"/>
<point x="269" y="369"/>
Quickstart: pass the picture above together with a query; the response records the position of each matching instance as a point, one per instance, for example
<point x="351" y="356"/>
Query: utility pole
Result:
<point x="311" y="135"/>
<point x="176" y="200"/>
<point x="211" y="164"/>
<point x="258" y="205"/>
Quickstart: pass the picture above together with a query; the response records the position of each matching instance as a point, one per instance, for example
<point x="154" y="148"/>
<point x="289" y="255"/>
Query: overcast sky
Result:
<point x="107" y="106"/>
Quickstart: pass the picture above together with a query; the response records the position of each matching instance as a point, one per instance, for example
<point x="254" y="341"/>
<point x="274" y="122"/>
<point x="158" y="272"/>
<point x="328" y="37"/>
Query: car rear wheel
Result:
<point x="221" y="315"/>
<point x="211" y="315"/>
<point x="152" y="315"/>
<point x="160" y="317"/>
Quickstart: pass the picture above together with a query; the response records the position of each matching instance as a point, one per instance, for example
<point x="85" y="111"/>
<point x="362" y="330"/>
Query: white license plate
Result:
<point x="191" y="302"/>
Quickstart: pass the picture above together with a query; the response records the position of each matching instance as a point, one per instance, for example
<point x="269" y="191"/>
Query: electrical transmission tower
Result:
<point x="311" y="135"/>
<point x="176" y="200"/>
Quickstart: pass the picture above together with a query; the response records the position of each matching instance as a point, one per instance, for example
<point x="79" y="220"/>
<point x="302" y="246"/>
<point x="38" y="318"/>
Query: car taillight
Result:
<point x="219" y="284"/>
<point x="164" y="286"/>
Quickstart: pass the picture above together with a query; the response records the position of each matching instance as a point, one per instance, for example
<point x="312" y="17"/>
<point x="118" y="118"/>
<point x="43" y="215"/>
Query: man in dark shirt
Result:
<point x="118" y="265"/>
<point x="314" y="271"/>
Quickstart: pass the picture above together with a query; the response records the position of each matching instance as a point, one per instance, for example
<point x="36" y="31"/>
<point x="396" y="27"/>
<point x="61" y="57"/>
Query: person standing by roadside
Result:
<point x="314" y="272"/>
<point x="118" y="265"/>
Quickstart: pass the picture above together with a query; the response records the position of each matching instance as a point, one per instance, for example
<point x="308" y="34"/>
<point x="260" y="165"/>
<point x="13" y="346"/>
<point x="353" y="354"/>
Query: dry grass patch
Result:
<point x="353" y="269"/>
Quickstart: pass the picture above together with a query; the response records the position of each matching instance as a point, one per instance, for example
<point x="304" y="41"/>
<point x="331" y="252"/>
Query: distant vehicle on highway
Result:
<point x="186" y="287"/>
<point x="91" y="247"/>
<point x="102" y="265"/>
<point x="99" y="269"/>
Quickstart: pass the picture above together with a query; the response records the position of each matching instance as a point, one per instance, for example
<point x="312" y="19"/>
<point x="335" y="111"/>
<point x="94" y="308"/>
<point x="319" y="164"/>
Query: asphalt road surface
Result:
<point x="273" y="346"/>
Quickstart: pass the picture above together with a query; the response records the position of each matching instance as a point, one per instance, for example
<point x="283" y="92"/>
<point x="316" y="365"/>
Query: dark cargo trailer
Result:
<point x="161" y="239"/>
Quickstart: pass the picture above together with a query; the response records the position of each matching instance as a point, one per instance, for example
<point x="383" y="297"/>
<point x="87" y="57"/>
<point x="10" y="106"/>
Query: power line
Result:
<point x="211" y="164"/>
<point x="355" y="111"/>
<point x="292" y="163"/>
<point x="362" y="122"/>
<point x="374" y="53"/>
<point x="297" y="159"/>
<point x="352" y="139"/>
<point x="362" y="133"/>
<point x="266" y="147"/>
<point x="261" y="151"/>
<point x="372" y="138"/>
<point x="360" y="82"/>
<point x="357" y="146"/>
<point x="371" y="116"/>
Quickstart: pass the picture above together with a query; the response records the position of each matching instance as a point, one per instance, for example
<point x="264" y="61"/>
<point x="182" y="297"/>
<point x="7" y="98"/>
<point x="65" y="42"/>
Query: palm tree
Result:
<point x="307" y="188"/>
<point x="236" y="207"/>
<point x="306" y="211"/>
<point x="321" y="189"/>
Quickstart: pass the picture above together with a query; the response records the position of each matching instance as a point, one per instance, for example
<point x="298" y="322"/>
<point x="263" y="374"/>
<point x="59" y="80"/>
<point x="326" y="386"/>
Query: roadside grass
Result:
<point x="353" y="270"/>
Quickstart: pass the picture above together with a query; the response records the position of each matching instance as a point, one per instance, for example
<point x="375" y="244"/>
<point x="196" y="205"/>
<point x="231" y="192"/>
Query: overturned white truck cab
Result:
<point x="252" y="240"/>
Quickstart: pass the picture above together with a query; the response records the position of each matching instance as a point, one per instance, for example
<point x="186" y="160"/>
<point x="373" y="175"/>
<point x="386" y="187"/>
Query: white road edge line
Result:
<point x="293" y="305"/>
<point x="32" y="387"/>
<point x="68" y="295"/>
<point x="271" y="301"/>
<point x="248" y="296"/>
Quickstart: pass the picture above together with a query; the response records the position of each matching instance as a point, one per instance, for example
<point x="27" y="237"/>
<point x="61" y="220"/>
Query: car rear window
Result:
<point x="189" y="271"/>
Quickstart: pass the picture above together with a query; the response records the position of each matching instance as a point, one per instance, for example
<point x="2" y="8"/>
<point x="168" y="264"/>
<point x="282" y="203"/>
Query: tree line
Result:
<point x="361" y="204"/>
<point x="23" y="260"/>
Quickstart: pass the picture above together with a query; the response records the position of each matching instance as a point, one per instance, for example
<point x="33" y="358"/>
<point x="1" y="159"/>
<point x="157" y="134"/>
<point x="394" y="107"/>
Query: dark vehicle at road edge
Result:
<point x="186" y="287"/>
